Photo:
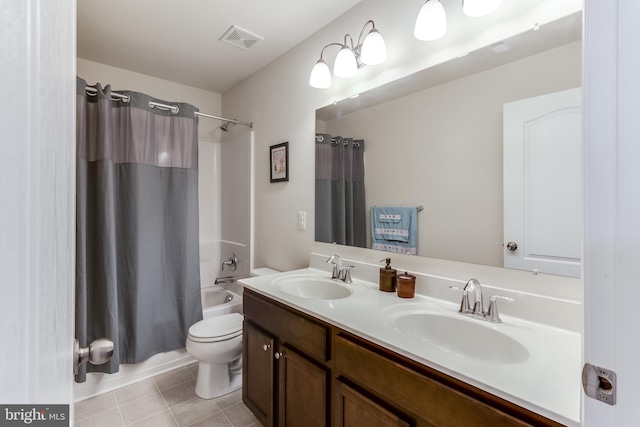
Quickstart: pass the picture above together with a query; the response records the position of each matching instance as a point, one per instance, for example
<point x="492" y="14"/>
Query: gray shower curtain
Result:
<point x="137" y="244"/>
<point x="340" y="203"/>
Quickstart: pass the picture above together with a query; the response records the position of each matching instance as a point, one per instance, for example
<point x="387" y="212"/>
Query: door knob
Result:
<point x="266" y="347"/>
<point x="278" y="355"/>
<point x="512" y="246"/>
<point x="99" y="351"/>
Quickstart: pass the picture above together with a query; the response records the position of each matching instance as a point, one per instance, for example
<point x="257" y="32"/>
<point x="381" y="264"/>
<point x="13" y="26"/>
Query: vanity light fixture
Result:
<point x="346" y="64"/>
<point x="431" y="23"/>
<point x="372" y="50"/>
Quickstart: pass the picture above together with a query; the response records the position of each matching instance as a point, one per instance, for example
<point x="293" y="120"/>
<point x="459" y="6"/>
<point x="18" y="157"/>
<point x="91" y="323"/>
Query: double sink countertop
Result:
<point x="532" y="364"/>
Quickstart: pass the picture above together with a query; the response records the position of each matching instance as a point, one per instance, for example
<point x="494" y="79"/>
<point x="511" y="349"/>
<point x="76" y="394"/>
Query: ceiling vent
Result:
<point x="240" y="38"/>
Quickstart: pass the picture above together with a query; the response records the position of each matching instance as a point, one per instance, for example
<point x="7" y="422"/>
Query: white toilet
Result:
<point x="217" y="344"/>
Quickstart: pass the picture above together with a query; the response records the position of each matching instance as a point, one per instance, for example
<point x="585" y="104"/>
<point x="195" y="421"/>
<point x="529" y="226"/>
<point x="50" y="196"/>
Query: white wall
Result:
<point x="280" y="103"/>
<point x="442" y="148"/>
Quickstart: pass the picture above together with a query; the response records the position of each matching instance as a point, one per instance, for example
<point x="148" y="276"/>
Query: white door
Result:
<point x="37" y="193"/>
<point x="612" y="205"/>
<point x="543" y="183"/>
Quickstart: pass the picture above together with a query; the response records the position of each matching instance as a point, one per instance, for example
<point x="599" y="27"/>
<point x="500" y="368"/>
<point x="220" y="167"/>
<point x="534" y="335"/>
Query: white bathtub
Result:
<point x="217" y="301"/>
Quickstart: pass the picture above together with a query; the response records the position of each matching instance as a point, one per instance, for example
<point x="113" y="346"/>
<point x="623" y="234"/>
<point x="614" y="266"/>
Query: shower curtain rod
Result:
<point x="173" y="108"/>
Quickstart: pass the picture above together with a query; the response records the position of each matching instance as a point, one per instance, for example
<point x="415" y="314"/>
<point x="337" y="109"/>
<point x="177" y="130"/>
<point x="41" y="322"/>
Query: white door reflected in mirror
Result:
<point x="543" y="183"/>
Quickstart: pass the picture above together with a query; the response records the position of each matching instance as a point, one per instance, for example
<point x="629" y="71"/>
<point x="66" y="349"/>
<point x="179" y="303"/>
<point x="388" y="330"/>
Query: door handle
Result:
<point x="99" y="351"/>
<point x="512" y="246"/>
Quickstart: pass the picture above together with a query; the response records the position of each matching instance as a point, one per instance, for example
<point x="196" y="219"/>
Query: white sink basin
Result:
<point x="459" y="335"/>
<point x="313" y="286"/>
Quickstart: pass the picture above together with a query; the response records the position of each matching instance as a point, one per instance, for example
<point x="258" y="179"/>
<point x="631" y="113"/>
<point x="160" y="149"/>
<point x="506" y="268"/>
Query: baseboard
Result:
<point x="98" y="382"/>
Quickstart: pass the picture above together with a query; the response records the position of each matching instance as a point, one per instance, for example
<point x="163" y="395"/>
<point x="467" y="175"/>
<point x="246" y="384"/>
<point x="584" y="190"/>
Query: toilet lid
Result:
<point x="223" y="326"/>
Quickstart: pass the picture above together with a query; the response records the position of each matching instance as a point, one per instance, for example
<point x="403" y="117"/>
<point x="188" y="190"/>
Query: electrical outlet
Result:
<point x="302" y="220"/>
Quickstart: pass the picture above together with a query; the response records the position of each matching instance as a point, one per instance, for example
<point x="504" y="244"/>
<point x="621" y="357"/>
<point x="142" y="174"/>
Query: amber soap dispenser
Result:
<point x="387" y="277"/>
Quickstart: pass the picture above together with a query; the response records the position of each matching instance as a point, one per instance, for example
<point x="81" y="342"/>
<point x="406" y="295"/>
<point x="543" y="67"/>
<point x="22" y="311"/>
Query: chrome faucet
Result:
<point x="473" y="285"/>
<point x="340" y="272"/>
<point x="478" y="311"/>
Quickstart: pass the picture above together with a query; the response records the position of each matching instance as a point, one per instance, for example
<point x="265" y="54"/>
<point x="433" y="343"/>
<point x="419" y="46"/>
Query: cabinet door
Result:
<point x="258" y="373"/>
<point x="302" y="391"/>
<point x="352" y="409"/>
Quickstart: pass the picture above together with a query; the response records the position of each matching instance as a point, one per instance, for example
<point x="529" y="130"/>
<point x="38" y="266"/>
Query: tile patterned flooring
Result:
<point x="167" y="399"/>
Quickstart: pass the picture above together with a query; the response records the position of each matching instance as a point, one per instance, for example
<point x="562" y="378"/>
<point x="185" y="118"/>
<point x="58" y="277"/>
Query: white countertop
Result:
<point x="547" y="383"/>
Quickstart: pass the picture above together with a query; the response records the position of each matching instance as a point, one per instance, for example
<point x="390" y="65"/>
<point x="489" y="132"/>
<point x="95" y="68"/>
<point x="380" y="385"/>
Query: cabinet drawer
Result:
<point x="352" y="409"/>
<point x="291" y="327"/>
<point x="427" y="398"/>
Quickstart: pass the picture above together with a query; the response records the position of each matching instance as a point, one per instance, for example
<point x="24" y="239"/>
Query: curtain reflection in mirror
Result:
<point x="340" y="204"/>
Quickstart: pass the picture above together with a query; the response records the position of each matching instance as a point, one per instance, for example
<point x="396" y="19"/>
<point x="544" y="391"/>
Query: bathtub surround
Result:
<point x="138" y="280"/>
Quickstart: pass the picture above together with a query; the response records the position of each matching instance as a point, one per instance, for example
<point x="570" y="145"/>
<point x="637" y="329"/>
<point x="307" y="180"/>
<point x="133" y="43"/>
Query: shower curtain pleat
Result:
<point x="340" y="192"/>
<point x="137" y="244"/>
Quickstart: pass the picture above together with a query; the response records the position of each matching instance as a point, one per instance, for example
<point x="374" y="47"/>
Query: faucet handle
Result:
<point x="465" y="307"/>
<point x="332" y="259"/>
<point x="232" y="262"/>
<point x="346" y="273"/>
<point x="492" y="312"/>
<point x="337" y="266"/>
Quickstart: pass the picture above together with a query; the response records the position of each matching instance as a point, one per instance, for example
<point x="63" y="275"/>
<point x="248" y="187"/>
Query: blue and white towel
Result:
<point x="394" y="229"/>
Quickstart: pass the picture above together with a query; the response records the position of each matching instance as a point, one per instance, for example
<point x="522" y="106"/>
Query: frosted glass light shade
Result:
<point x="480" y="7"/>
<point x="346" y="64"/>
<point x="320" y="75"/>
<point x="374" y="50"/>
<point x="431" y="23"/>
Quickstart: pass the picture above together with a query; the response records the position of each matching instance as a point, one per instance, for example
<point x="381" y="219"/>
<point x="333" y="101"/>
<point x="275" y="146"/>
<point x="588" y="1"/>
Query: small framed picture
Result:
<point x="279" y="162"/>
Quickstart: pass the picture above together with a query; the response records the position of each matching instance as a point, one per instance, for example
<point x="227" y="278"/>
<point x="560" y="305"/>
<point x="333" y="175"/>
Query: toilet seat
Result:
<point x="219" y="328"/>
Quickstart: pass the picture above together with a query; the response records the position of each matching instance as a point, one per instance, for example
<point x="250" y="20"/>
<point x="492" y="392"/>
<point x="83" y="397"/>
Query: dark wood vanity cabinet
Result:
<point x="258" y="373"/>
<point x="285" y="377"/>
<point x="301" y="372"/>
<point x="302" y="390"/>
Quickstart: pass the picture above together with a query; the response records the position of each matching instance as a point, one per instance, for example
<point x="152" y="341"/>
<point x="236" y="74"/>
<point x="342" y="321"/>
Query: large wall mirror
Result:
<point x="435" y="139"/>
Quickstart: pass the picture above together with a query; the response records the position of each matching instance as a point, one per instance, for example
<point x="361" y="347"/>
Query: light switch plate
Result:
<point x="302" y="220"/>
